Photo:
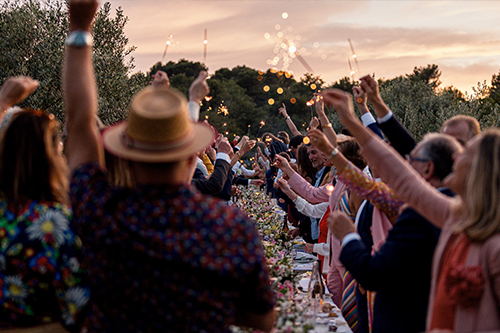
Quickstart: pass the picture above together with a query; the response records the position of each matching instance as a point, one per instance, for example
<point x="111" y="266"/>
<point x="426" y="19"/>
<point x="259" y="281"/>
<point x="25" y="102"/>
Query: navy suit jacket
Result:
<point x="400" y="272"/>
<point x="215" y="183"/>
<point x="364" y="231"/>
<point x="398" y="136"/>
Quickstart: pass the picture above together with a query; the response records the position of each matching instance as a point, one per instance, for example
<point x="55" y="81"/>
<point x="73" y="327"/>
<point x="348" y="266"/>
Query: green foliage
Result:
<point x="32" y="41"/>
<point x="428" y="75"/>
<point x="33" y="34"/>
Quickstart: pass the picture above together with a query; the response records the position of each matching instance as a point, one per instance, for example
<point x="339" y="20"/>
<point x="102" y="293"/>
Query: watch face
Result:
<point x="79" y="39"/>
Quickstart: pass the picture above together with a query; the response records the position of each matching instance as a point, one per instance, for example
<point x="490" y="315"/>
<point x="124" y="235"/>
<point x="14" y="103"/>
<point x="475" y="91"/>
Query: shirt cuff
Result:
<point x="194" y="111"/>
<point x="350" y="237"/>
<point x="223" y="156"/>
<point x="367" y="119"/>
<point x="385" y="118"/>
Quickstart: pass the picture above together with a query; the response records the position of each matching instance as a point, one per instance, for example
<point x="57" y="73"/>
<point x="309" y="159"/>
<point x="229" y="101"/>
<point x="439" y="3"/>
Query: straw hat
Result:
<point x="158" y="129"/>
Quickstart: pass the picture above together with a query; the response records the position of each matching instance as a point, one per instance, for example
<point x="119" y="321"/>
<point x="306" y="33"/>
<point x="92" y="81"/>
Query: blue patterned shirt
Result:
<point x="163" y="258"/>
<point x="41" y="280"/>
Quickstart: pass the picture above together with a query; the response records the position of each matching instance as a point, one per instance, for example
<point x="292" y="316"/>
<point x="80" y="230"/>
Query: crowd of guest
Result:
<point x="131" y="228"/>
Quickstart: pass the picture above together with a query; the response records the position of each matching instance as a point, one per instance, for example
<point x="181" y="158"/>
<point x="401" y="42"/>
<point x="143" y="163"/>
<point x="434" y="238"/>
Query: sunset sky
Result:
<point x="390" y="38"/>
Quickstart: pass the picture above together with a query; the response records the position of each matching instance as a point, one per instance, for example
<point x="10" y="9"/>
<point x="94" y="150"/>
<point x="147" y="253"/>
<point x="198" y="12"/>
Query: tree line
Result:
<point x="242" y="100"/>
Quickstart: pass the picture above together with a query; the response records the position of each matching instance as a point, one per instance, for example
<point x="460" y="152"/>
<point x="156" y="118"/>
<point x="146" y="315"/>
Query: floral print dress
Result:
<point x="40" y="273"/>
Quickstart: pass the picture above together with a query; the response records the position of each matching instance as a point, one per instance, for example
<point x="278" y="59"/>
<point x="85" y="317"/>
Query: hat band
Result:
<point x="132" y="143"/>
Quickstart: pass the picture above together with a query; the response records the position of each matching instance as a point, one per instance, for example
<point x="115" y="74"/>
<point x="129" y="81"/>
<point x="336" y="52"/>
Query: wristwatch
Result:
<point x="334" y="153"/>
<point x="79" y="38"/>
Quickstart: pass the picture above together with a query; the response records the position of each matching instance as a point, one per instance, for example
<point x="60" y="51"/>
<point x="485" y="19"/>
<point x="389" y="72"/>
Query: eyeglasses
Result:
<point x="412" y="159"/>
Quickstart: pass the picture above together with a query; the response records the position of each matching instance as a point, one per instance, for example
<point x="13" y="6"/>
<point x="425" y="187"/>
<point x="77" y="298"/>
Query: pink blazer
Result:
<point x="436" y="207"/>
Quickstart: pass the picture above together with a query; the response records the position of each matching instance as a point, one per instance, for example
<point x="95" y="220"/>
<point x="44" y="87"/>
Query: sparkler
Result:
<point x="355" y="58"/>
<point x="329" y="189"/>
<point x="223" y="109"/>
<point x="350" y="69"/>
<point x="205" y="42"/>
<point x="293" y="50"/>
<point x="167" y="44"/>
<point x="262" y="123"/>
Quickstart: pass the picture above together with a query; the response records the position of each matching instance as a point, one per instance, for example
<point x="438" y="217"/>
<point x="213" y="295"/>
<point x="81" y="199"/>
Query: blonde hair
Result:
<point x="482" y="202"/>
<point x="471" y="122"/>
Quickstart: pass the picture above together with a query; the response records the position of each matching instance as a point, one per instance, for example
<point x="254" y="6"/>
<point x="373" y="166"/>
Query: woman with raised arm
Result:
<point x="40" y="274"/>
<point x="465" y="290"/>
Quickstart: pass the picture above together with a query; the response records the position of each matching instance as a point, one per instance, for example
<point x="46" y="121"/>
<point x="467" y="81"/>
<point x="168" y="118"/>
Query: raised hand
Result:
<point x="340" y="224"/>
<point x="320" y="141"/>
<point x="282" y="111"/>
<point x="319" y="104"/>
<point x="370" y="87"/>
<point x="81" y="14"/>
<point x="15" y="90"/>
<point x="219" y="138"/>
<point x="199" y="88"/>
<point x="314" y="123"/>
<point x="224" y="147"/>
<point x="210" y="151"/>
<point x="256" y="182"/>
<point x="247" y="146"/>
<point x="280" y="183"/>
<point x="359" y="95"/>
<point x="342" y="101"/>
<point x="282" y="163"/>
<point x="160" y="79"/>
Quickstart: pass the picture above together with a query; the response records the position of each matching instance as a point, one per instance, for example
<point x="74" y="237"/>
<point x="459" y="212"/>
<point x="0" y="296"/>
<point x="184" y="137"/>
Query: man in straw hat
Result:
<point x="161" y="257"/>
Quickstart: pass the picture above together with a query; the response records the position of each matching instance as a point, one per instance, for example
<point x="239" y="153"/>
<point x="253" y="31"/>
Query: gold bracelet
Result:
<point x="327" y="125"/>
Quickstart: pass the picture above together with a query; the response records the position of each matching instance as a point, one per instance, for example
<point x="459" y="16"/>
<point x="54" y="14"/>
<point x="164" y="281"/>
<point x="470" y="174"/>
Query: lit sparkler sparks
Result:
<point x="223" y="109"/>
<point x="293" y="50"/>
<point x="167" y="44"/>
<point x="355" y="58"/>
<point x="205" y="42"/>
<point x="329" y="189"/>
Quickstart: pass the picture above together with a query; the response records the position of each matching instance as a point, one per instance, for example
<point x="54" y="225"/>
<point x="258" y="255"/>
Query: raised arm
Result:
<point x="80" y="91"/>
<point x="370" y="87"/>
<point x="245" y="148"/>
<point x="15" y="90"/>
<point x="395" y="132"/>
<point x="326" y="126"/>
<point x="197" y="91"/>
<point x="289" y="122"/>
<point x="406" y="182"/>
<point x="300" y="185"/>
<point x="378" y="193"/>
<point x="367" y="118"/>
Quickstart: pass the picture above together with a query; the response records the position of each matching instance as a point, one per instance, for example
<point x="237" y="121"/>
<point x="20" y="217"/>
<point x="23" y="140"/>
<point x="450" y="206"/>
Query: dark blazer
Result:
<point x="225" y="194"/>
<point x="364" y="231"/>
<point x="215" y="183"/>
<point x="398" y="136"/>
<point x="376" y="129"/>
<point x="400" y="272"/>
